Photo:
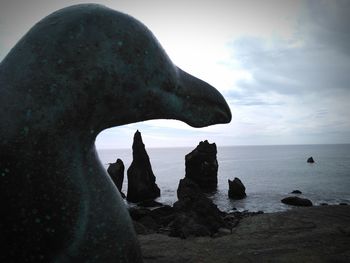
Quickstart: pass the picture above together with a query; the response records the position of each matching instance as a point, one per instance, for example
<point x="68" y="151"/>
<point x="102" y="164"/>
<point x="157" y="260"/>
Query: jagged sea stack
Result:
<point x="202" y="166"/>
<point x="116" y="172"/>
<point x="236" y="189"/>
<point x="141" y="180"/>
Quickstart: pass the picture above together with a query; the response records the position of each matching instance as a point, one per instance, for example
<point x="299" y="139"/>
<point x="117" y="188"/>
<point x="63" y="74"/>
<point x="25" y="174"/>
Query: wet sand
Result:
<point x="315" y="234"/>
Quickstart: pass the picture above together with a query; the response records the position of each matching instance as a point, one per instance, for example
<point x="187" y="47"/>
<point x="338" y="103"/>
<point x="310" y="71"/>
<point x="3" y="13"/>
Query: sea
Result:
<point x="269" y="173"/>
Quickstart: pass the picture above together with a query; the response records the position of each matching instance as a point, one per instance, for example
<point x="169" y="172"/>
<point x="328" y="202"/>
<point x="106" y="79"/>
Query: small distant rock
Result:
<point x="310" y="160"/>
<point x="236" y="189"/>
<point x="343" y="204"/>
<point x="141" y="180"/>
<point x="202" y="166"/>
<point x="296" y="201"/>
<point x="323" y="204"/>
<point x="116" y="172"/>
<point x="296" y="192"/>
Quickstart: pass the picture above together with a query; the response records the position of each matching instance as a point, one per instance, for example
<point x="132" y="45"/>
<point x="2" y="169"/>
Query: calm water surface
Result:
<point x="269" y="173"/>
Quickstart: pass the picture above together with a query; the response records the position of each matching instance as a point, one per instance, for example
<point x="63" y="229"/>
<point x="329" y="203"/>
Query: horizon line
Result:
<point x="224" y="146"/>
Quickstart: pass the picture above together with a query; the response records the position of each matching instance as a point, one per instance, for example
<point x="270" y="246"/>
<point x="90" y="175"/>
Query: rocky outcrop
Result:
<point x="141" y="180"/>
<point x="193" y="214"/>
<point x="202" y="166"/>
<point x="296" y="201"/>
<point x="310" y="160"/>
<point x="196" y="214"/>
<point x="296" y="192"/>
<point x="116" y="172"/>
<point x="236" y="189"/>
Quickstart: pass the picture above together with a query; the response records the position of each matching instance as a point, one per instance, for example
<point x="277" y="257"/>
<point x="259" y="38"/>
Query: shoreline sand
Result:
<point x="313" y="234"/>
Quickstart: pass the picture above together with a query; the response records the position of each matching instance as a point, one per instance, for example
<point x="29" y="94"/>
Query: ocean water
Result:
<point x="269" y="173"/>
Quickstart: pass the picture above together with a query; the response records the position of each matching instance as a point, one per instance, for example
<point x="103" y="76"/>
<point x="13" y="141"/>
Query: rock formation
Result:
<point x="296" y="201"/>
<point x="196" y="214"/>
<point x="310" y="160"/>
<point x="202" y="166"/>
<point x="296" y="192"/>
<point x="193" y="214"/>
<point x="236" y="189"/>
<point x="116" y="172"/>
<point x="141" y="180"/>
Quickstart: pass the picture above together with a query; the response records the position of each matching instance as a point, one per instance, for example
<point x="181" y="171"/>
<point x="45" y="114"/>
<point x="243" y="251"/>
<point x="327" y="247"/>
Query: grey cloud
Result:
<point x="329" y="23"/>
<point x="316" y="60"/>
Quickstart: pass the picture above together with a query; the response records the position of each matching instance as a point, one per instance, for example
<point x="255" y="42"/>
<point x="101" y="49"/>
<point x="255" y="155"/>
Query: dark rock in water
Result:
<point x="116" y="172"/>
<point x="196" y="214"/>
<point x="323" y="204"/>
<point x="343" y="204"/>
<point x="310" y="160"/>
<point x="141" y="180"/>
<point x="296" y="192"/>
<point x="236" y="189"/>
<point x="149" y="203"/>
<point x="296" y="201"/>
<point x="202" y="166"/>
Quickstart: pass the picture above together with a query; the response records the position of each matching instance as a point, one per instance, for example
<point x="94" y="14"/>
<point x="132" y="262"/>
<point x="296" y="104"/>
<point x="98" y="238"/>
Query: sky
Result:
<point x="282" y="66"/>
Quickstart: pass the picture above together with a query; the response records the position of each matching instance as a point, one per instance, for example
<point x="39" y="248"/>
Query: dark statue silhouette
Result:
<point x="79" y="71"/>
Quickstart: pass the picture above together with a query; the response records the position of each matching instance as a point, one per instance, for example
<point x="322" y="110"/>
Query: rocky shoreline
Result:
<point x="313" y="234"/>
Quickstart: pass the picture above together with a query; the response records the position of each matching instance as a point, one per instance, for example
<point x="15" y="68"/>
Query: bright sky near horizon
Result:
<point x="283" y="66"/>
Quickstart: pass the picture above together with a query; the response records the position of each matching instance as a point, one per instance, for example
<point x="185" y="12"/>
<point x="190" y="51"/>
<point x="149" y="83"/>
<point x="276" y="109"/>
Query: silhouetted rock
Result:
<point x="140" y="229"/>
<point x="296" y="201"/>
<point x="116" y="172"/>
<point x="196" y="214"/>
<point x="296" y="192"/>
<point x="343" y="204"/>
<point x="236" y="189"/>
<point x="141" y="180"/>
<point x="160" y="218"/>
<point x="136" y="213"/>
<point x="310" y="160"/>
<point x="202" y="166"/>
<point x="149" y="203"/>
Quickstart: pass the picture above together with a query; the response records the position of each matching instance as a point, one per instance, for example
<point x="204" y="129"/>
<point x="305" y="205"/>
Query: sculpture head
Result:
<point x="90" y="68"/>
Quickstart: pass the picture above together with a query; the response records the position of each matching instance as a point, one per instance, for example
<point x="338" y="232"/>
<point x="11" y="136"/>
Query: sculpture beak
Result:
<point x="203" y="105"/>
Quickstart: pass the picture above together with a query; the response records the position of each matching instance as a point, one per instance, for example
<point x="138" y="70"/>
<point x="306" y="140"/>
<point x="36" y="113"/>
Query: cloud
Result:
<point x="283" y="66"/>
<point x="327" y="23"/>
<point x="298" y="89"/>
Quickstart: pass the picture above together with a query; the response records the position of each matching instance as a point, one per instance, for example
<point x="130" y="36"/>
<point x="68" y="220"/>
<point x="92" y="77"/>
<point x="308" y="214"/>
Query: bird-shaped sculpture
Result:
<point x="79" y="71"/>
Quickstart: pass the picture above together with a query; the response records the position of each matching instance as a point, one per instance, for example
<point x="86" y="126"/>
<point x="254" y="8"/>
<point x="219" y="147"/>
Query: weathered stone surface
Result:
<point x="296" y="201"/>
<point x="236" y="189"/>
<point x="193" y="215"/>
<point x="141" y="180"/>
<point x="116" y="172"/>
<point x="202" y="166"/>
<point x="310" y="160"/>
<point x="149" y="203"/>
<point x="196" y="214"/>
